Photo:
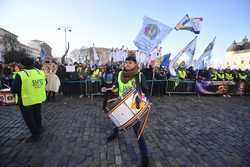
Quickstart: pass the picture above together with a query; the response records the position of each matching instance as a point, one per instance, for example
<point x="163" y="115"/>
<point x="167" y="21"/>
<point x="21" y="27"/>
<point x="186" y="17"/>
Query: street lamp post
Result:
<point x="65" y="29"/>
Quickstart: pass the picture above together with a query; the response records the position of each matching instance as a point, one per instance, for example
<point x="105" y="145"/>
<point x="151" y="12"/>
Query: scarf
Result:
<point x="128" y="75"/>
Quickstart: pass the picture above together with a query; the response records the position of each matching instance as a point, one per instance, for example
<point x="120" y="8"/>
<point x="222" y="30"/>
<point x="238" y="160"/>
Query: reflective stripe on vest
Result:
<point x="14" y="75"/>
<point x="242" y="76"/>
<point x="33" y="87"/>
<point x="214" y="76"/>
<point x="229" y="76"/>
<point x="221" y="76"/>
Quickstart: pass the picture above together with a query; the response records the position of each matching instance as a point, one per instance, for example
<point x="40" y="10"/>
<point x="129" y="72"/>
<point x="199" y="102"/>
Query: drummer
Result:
<point x="127" y="79"/>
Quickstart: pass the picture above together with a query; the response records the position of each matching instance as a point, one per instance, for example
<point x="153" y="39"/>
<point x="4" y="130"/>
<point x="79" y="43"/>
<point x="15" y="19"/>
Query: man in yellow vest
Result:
<point x="242" y="76"/>
<point x="29" y="85"/>
<point x="213" y="74"/>
<point x="182" y="73"/>
<point x="130" y="78"/>
<point x="229" y="75"/>
<point x="221" y="75"/>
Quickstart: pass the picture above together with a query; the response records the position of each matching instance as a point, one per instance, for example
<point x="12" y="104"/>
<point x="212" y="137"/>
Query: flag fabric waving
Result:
<point x="95" y="60"/>
<point x="151" y="35"/>
<point x="205" y="58"/>
<point x="191" y="24"/>
<point x="42" y="55"/>
<point x="189" y="50"/>
<point x="165" y="60"/>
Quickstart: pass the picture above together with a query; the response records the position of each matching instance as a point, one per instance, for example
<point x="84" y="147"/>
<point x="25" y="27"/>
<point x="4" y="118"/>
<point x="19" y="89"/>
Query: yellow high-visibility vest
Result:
<point x="33" y="87"/>
<point x="123" y="88"/>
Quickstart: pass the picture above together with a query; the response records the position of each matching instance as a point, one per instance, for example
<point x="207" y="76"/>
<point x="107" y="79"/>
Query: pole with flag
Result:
<point x="151" y="35"/>
<point x="189" y="23"/>
<point x="204" y="59"/>
<point x="165" y="60"/>
<point x="189" y="50"/>
<point x="95" y="57"/>
<point x="206" y="56"/>
<point x="42" y="55"/>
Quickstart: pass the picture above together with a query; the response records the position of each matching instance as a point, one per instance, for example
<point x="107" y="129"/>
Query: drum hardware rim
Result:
<point x="143" y="126"/>
<point x="124" y="99"/>
<point x="133" y="119"/>
<point x="137" y="116"/>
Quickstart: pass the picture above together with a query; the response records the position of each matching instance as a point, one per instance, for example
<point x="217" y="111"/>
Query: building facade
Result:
<point x="39" y="45"/>
<point x="238" y="55"/>
<point x="9" y="41"/>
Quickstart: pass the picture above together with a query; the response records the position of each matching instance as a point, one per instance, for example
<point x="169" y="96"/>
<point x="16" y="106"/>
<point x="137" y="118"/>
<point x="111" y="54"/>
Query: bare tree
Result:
<point x="76" y="55"/>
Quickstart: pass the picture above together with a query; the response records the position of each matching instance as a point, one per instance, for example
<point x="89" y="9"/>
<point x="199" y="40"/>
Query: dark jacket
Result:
<point x="16" y="87"/>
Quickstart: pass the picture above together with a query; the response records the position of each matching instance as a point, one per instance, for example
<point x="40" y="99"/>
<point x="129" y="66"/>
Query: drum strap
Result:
<point x="138" y="84"/>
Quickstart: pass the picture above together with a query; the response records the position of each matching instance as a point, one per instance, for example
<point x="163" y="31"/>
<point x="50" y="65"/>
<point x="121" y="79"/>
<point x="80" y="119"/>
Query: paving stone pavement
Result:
<point x="182" y="131"/>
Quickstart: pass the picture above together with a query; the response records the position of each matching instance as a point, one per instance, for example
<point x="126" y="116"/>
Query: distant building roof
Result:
<point x="240" y="46"/>
<point x="8" y="32"/>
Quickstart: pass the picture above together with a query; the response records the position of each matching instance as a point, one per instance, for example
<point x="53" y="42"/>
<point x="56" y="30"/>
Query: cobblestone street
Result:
<point x="182" y="131"/>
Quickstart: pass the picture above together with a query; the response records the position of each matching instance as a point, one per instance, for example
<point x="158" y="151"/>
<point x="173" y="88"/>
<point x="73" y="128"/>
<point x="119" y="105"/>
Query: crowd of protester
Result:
<point x="152" y="74"/>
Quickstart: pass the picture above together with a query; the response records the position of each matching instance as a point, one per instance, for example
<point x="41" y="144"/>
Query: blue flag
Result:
<point x="165" y="60"/>
<point x="42" y="54"/>
<point x="191" y="24"/>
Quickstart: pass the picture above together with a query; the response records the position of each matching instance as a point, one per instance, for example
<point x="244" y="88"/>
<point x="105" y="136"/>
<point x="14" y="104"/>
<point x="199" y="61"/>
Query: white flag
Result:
<point x="189" y="51"/>
<point x="151" y="35"/>
<point x="96" y="59"/>
<point x="205" y="58"/>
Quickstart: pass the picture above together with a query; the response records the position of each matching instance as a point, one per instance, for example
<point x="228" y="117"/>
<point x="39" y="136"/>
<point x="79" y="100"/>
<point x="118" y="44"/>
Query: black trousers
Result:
<point x="141" y="142"/>
<point x="32" y="118"/>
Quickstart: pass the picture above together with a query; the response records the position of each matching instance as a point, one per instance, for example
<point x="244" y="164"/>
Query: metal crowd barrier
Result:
<point x="88" y="87"/>
<point x="180" y="87"/>
<point x="92" y="87"/>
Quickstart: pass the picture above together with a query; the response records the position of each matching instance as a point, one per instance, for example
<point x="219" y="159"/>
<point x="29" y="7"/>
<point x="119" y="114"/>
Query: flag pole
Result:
<point x="152" y="84"/>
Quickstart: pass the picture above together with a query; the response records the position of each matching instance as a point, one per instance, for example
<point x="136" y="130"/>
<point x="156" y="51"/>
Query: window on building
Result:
<point x="242" y="61"/>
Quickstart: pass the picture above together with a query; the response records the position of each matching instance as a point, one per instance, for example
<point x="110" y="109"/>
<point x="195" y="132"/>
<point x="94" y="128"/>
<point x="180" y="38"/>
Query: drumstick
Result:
<point x="6" y="85"/>
<point x="144" y="125"/>
<point x="104" y="89"/>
